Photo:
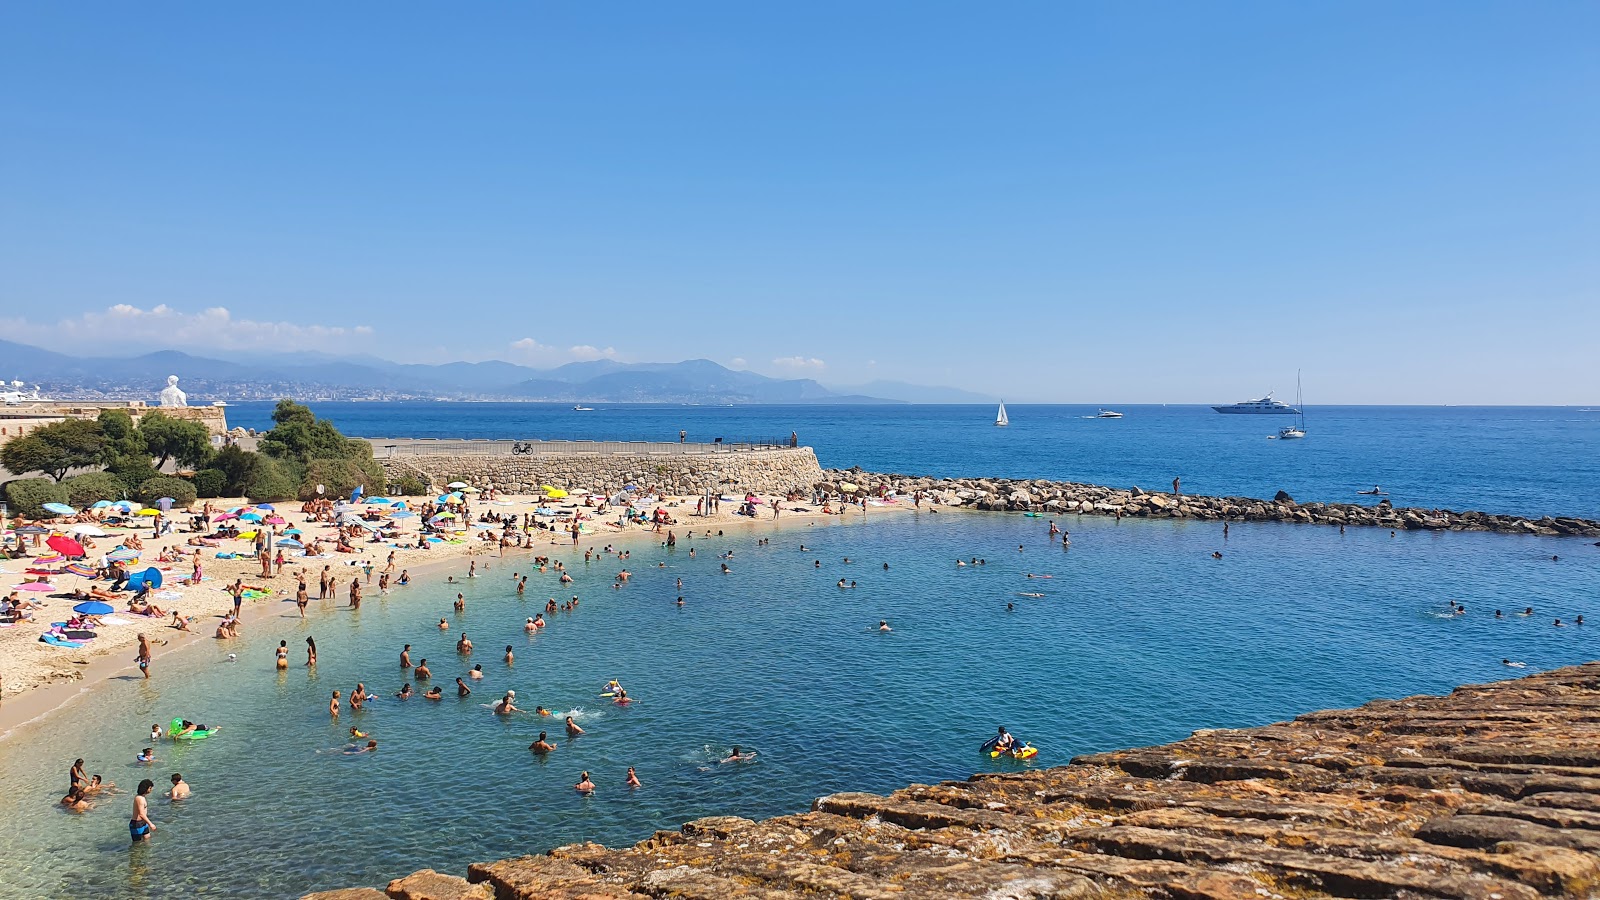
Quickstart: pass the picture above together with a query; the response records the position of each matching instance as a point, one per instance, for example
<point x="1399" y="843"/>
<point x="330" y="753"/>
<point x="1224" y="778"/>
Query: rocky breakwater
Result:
<point x="1066" y="497"/>
<point x="770" y="470"/>
<point x="1490" y="793"/>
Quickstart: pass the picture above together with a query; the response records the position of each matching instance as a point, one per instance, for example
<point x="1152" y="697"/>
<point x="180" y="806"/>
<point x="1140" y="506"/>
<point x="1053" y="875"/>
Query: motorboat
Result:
<point x="1109" y="414"/>
<point x="583" y="409"/>
<point x="1266" y="406"/>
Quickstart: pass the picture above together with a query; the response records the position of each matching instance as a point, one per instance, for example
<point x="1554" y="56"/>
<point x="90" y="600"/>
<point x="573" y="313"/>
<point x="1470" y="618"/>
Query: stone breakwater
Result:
<point x="1065" y="497"/>
<point x="775" y="470"/>
<point x="1491" y="792"/>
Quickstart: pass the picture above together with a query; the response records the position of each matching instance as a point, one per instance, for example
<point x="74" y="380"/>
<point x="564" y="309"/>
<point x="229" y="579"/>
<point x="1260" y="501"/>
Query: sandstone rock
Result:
<point x="430" y="885"/>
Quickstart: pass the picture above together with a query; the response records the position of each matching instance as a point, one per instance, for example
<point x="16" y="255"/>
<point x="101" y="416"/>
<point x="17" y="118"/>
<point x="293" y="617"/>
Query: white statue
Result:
<point x="171" y="396"/>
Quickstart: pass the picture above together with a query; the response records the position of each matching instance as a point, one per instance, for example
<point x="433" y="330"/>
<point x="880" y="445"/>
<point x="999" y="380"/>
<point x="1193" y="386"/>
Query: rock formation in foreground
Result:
<point x="1491" y="793"/>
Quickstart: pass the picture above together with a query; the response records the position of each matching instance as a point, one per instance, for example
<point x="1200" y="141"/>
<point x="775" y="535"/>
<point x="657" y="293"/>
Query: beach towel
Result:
<point x="116" y="620"/>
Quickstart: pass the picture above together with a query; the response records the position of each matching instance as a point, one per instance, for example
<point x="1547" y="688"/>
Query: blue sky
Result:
<point x="1050" y="202"/>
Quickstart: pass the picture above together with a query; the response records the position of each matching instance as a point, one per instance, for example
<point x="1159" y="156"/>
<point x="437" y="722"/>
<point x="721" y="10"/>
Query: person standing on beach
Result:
<point x="355" y="592"/>
<point x="301" y="598"/>
<point x="144" y="656"/>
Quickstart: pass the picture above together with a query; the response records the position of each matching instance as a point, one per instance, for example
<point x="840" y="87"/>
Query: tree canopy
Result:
<point x="166" y="438"/>
<point x="55" y="449"/>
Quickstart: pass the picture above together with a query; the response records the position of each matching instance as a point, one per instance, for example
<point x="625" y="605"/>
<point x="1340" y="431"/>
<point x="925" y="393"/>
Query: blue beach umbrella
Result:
<point x="60" y="509"/>
<point x="291" y="531"/>
<point x="376" y="500"/>
<point x="101" y="504"/>
<point x="250" y="517"/>
<point x="291" y="543"/>
<point x="128" y="505"/>
<point x="267" y="506"/>
<point x="402" y="514"/>
<point x="94" y="608"/>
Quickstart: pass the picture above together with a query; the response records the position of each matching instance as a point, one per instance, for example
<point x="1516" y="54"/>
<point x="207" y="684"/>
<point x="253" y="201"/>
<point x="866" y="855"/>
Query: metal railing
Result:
<point x="402" y="447"/>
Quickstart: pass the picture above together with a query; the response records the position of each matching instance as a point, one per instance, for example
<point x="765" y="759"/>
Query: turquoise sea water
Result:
<point x="1141" y="636"/>
<point x="1524" y="460"/>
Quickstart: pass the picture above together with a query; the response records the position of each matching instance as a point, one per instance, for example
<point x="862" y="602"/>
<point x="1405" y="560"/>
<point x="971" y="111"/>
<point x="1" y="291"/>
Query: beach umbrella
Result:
<point x="267" y="506"/>
<point x="370" y="526"/>
<point x="456" y="484"/>
<point x="149" y="512"/>
<point x="33" y="529"/>
<point x="128" y="505"/>
<point x="468" y="490"/>
<point x="79" y="569"/>
<point x="399" y="504"/>
<point x="291" y="531"/>
<point x="101" y="504"/>
<point x="291" y="543"/>
<point x="377" y="500"/>
<point x="402" y="514"/>
<point x="48" y="559"/>
<point x="557" y="494"/>
<point x="87" y="529"/>
<point x="224" y="517"/>
<point x="630" y="487"/>
<point x="94" y="608"/>
<point x="122" y="554"/>
<point x="276" y="520"/>
<point x="60" y="509"/>
<point x="38" y="587"/>
<point x="250" y="517"/>
<point x="63" y="544"/>
<point x="445" y="498"/>
<point x="847" y="487"/>
<point x="247" y="535"/>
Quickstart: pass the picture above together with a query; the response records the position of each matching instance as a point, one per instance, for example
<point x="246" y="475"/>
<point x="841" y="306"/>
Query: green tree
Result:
<point x="91" y="487"/>
<point x="166" y="438"/>
<point x="122" y="441"/>
<point x="298" y="437"/>
<point x="338" y="477"/>
<point x="55" y="449"/>
<point x="210" y="483"/>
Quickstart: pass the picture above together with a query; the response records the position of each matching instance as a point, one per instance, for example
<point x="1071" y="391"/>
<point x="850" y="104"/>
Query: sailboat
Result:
<point x="1000" y="419"/>
<point x="1295" y="432"/>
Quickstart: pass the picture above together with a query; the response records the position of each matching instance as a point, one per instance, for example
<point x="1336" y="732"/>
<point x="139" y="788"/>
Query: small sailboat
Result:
<point x="1295" y="432"/>
<point x="1000" y="418"/>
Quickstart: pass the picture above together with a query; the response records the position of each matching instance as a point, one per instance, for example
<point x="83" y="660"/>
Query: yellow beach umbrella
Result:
<point x="555" y="493"/>
<point x="247" y="535"/>
<point x="149" y="512"/>
<point x="847" y="487"/>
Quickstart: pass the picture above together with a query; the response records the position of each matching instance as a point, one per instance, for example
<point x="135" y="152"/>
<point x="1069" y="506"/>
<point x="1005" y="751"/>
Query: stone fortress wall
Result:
<point x="601" y="466"/>
<point x="21" y="418"/>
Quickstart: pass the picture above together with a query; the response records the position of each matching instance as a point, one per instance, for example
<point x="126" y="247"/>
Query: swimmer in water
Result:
<point x="434" y="693"/>
<point x="680" y="601"/>
<point x="405" y="692"/>
<point x="147" y="755"/>
<point x="1216" y="554"/>
<point x="883" y="625"/>
<point x="1011" y="607"/>
<point x="509" y="658"/>
<point x="464" y="645"/>
<point x="542" y="745"/>
<point x="461" y="688"/>
<point x="443" y="625"/>
<point x="633" y="779"/>
<point x="572" y="728"/>
<point x="541" y="711"/>
<point x="423" y="672"/>
<point x="506" y="705"/>
<point x="1527" y="612"/>
<point x="584" y="785"/>
<point x="354" y="749"/>
<point x="356" y="732"/>
<point x="530" y="626"/>
<point x="1514" y="665"/>
<point x="737" y="756"/>
<point x="477" y="671"/>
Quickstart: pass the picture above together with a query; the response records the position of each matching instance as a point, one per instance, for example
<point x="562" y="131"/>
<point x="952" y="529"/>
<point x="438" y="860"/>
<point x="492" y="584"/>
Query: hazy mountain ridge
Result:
<point x="323" y="376"/>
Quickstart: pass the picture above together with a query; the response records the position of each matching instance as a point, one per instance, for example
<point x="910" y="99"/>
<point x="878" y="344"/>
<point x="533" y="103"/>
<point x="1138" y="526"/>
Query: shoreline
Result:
<point x="36" y="701"/>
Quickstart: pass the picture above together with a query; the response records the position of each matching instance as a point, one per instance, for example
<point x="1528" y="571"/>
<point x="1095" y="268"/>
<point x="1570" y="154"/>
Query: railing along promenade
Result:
<point x="397" y="448"/>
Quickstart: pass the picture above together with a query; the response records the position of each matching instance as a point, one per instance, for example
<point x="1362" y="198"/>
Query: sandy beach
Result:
<point x="36" y="677"/>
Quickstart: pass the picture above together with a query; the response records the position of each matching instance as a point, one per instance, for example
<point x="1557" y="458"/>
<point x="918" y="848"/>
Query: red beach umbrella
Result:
<point x="63" y="544"/>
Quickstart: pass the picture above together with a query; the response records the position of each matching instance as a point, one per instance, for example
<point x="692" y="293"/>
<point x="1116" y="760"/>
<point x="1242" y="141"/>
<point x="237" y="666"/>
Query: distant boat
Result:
<point x="1000" y="418"/>
<point x="1109" y="414"/>
<point x="583" y="408"/>
<point x="1266" y="406"/>
<point x="1295" y="432"/>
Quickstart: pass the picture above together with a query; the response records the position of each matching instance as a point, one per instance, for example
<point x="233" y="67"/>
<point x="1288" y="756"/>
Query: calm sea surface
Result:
<point x="1525" y="460"/>
<point x="1140" y="637"/>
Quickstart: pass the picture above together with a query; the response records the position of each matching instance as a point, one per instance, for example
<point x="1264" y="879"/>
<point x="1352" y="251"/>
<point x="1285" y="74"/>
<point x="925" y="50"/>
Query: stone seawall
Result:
<point x="1066" y="497"/>
<point x="1491" y="792"/>
<point x="775" y="470"/>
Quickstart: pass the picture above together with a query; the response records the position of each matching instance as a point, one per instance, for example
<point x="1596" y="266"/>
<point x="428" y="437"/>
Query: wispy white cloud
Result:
<point x="584" y="352"/>
<point x="800" y="363"/>
<point x="127" y="327"/>
<point x="738" y="362"/>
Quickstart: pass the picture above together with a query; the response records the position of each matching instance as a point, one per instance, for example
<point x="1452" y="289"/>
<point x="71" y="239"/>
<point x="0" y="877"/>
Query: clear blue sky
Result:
<point x="1177" y="202"/>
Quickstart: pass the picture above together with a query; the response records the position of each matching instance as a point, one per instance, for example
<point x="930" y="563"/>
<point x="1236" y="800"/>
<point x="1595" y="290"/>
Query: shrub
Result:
<point x="210" y="483"/>
<point x="132" y="471"/>
<point x="89" y="488"/>
<point x="411" y="486"/>
<point x="270" y="480"/>
<point x="27" y="496"/>
<point x="182" y="492"/>
<point x="337" y="476"/>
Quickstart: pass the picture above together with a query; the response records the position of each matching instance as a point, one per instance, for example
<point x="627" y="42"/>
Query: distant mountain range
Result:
<point x="318" y="376"/>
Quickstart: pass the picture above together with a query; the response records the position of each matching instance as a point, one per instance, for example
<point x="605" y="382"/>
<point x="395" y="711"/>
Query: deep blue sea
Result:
<point x="1524" y="460"/>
